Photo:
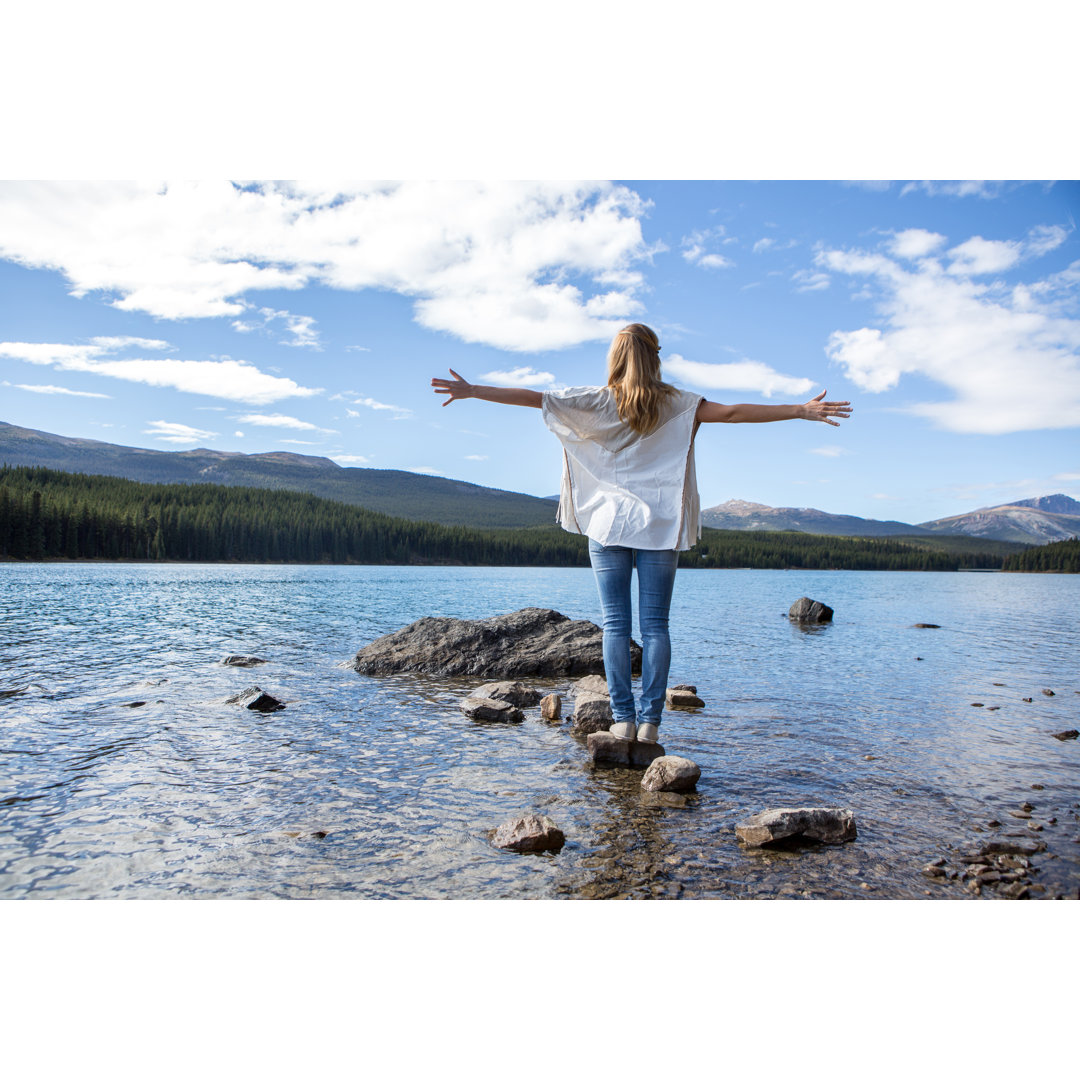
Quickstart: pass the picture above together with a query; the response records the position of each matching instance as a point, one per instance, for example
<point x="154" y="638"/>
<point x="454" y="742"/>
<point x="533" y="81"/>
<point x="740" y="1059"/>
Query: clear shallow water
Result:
<point x="184" y="796"/>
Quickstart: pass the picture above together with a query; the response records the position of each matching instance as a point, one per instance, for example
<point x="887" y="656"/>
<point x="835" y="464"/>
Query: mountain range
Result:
<point x="454" y="502"/>
<point x="1028" y="521"/>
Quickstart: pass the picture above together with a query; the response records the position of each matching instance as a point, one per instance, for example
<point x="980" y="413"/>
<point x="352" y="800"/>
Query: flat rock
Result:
<point x="827" y="825"/>
<point x="529" y="832"/>
<point x="605" y="749"/>
<point x="551" y="708"/>
<point x="1072" y="733"/>
<point x="236" y="660"/>
<point x="683" y="699"/>
<point x="591" y="684"/>
<point x="515" y="692"/>
<point x="671" y="773"/>
<point x="592" y="712"/>
<point x="491" y="710"/>
<point x="927" y="626"/>
<point x="254" y="698"/>
<point x="532" y="641"/>
<point x="805" y="610"/>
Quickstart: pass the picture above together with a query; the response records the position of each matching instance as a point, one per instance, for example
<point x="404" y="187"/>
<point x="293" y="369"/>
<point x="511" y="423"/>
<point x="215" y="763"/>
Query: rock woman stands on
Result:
<point x="630" y="486"/>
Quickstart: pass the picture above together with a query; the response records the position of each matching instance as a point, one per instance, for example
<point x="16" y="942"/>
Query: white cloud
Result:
<point x="513" y="265"/>
<point x="809" y="281"/>
<point x="476" y="457"/>
<point x="425" y="470"/>
<point x="763" y="244"/>
<point x="357" y="348"/>
<point x="46" y="389"/>
<point x="979" y="256"/>
<point x="378" y="406"/>
<point x="915" y="243"/>
<point x="829" y="451"/>
<point x="350" y="459"/>
<point x="519" y="376"/>
<point x="1010" y="356"/>
<point x="238" y="434"/>
<point x="278" y="420"/>
<point x="743" y="375"/>
<point x="986" y="189"/>
<point x="302" y="327"/>
<point x="296" y="442"/>
<point x="167" y="431"/>
<point x="695" y="248"/>
<point x="234" y="380"/>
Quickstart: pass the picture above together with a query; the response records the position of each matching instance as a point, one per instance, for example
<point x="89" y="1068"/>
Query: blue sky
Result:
<point x="310" y="317"/>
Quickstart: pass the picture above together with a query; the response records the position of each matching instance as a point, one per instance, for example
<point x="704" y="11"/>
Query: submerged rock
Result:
<point x="254" y="698"/>
<point x="515" y="692"/>
<point x="827" y="825"/>
<point x="551" y="708"/>
<point x="805" y="610"/>
<point x="605" y="749"/>
<point x="242" y="661"/>
<point x="671" y="773"/>
<point x="927" y="626"/>
<point x="532" y="641"/>
<point x="529" y="832"/>
<point x="491" y="710"/>
<point x="1072" y="733"/>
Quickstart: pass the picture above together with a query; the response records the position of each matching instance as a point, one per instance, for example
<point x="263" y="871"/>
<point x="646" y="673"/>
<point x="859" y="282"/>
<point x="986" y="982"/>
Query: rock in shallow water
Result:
<point x="532" y="641"/>
<point x="605" y="749"/>
<point x="827" y="825"/>
<point x="515" y="692"/>
<point x="529" y="832"/>
<point x="592" y="712"/>
<point x="242" y="661"/>
<point x="491" y="710"/>
<point x="805" y="610"/>
<point x="683" y="699"/>
<point x="551" y="708"/>
<point x="671" y="773"/>
<point x="254" y="698"/>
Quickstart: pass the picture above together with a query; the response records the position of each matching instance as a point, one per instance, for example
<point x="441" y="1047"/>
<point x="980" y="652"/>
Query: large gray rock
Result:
<point x="533" y="641"/>
<point x="529" y="832"/>
<point x="605" y="749"/>
<point x="827" y="825"/>
<point x="254" y="698"/>
<point x="592" y="712"/>
<point x="805" y="610"/>
<point x="491" y="710"/>
<point x="671" y="773"/>
<point x="678" y="698"/>
<point x="515" y="692"/>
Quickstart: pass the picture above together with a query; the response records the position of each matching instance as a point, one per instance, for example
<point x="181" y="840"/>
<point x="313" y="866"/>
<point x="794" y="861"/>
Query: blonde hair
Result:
<point x="634" y="376"/>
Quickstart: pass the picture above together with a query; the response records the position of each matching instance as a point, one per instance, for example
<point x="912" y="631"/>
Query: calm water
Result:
<point x="184" y="796"/>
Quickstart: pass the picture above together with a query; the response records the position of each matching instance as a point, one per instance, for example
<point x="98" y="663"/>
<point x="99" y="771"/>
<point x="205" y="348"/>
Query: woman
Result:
<point x="629" y="484"/>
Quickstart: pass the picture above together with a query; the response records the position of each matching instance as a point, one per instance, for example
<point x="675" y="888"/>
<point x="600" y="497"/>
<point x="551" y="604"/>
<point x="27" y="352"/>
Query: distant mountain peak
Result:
<point x="1051" y="504"/>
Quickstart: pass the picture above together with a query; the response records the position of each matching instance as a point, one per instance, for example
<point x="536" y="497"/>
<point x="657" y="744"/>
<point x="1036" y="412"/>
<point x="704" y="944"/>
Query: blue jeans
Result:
<point x="613" y="567"/>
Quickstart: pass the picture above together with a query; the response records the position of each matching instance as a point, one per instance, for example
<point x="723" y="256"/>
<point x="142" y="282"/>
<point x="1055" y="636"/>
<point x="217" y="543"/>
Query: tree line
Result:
<point x="1060" y="557"/>
<point x="49" y="514"/>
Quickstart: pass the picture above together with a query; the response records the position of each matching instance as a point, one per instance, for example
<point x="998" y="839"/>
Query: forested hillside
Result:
<point x="46" y="514"/>
<point x="1062" y="557"/>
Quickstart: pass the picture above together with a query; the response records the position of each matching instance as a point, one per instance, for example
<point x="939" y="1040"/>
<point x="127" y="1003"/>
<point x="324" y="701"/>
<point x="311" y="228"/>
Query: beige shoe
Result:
<point x="647" y="733"/>
<point x="625" y="731"/>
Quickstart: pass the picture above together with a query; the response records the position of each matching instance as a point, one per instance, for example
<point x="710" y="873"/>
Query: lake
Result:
<point x="185" y="796"/>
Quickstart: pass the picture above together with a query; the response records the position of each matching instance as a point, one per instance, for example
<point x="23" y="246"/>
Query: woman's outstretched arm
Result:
<point x="458" y="388"/>
<point x="712" y="412"/>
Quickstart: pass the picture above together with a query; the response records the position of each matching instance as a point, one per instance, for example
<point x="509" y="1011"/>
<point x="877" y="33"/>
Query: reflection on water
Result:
<point x="124" y="775"/>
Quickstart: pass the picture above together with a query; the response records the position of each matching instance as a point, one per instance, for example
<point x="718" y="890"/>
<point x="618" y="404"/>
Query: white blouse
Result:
<point x="620" y="487"/>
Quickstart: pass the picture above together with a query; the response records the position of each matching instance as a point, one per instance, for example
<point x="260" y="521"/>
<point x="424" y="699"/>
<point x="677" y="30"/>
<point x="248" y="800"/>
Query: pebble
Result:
<point x="1028" y="699"/>
<point x="1027" y="806"/>
<point x="1034" y="826"/>
<point x="1036" y="787"/>
<point x="995" y="824"/>
<point x="1022" y="814"/>
<point x="976" y="704"/>
<point x="1049" y="693"/>
<point x="992" y="708"/>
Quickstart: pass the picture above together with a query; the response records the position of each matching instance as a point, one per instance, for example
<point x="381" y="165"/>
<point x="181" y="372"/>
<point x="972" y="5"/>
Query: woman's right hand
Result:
<point x="456" y="388"/>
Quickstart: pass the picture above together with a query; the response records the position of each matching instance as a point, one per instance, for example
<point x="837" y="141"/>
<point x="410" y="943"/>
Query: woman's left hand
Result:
<point x="456" y="389"/>
<point x="816" y="409"/>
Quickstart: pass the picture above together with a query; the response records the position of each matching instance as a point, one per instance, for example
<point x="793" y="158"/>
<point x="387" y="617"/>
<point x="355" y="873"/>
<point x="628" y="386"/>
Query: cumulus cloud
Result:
<point x="234" y="380"/>
<point x="47" y="389"/>
<point x="278" y="420"/>
<point x="1010" y="355"/>
<point x="167" y="431"/>
<point x="915" y="243"/>
<point x="519" y="376"/>
<point x="520" y="266"/>
<point x="350" y="459"/>
<point x="749" y="375"/>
